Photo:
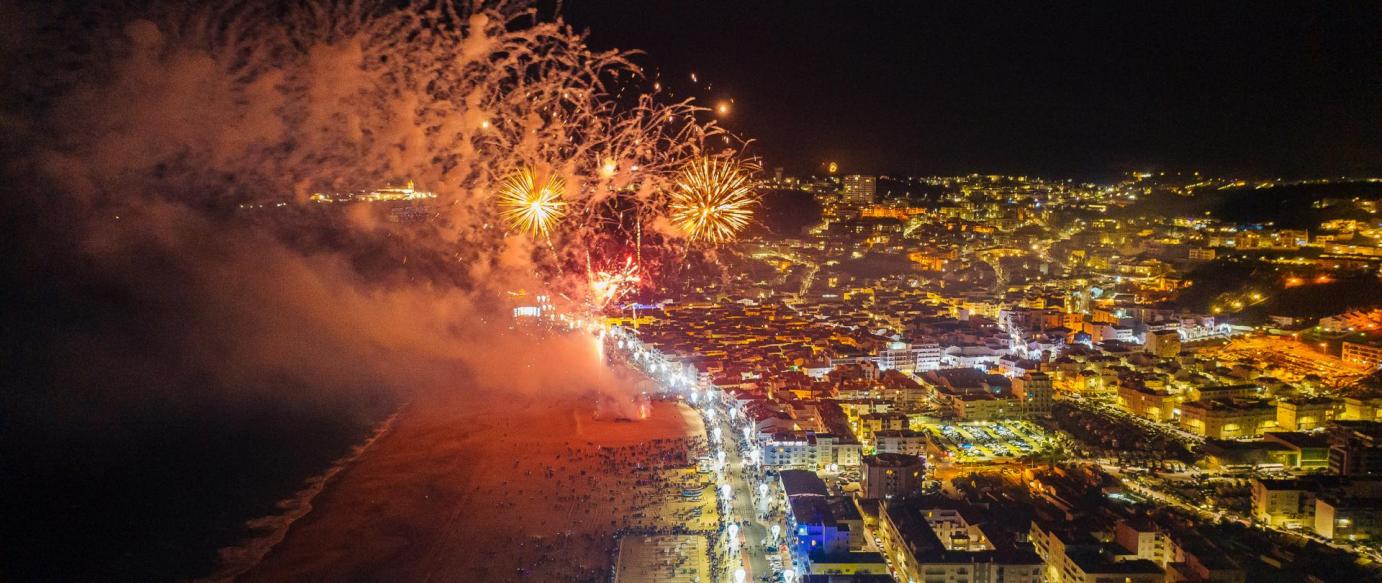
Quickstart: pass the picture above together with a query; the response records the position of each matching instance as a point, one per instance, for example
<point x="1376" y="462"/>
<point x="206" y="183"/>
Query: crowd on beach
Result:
<point x="594" y="495"/>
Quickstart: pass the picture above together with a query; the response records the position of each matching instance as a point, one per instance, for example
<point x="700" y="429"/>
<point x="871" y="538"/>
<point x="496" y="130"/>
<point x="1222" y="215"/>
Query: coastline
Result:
<point x="236" y="560"/>
<point x="527" y="488"/>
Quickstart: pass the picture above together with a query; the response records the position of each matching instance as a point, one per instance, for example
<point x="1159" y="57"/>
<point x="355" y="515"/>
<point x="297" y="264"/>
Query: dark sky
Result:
<point x="1049" y="88"/>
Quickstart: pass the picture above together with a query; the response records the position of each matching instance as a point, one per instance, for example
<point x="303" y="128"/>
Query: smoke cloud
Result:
<point x="186" y="331"/>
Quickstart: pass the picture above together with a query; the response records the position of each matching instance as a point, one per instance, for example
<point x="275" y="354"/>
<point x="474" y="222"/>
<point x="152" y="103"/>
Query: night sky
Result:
<point x="1053" y="89"/>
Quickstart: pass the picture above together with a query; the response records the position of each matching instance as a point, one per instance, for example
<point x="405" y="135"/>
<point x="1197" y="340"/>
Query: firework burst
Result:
<point x="513" y="122"/>
<point x="712" y="200"/>
<point x="532" y="204"/>
<point x="609" y="285"/>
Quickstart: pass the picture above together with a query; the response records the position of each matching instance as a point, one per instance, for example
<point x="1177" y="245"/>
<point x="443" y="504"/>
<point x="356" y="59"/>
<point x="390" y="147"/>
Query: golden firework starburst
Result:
<point x="532" y="203"/>
<point x="712" y="200"/>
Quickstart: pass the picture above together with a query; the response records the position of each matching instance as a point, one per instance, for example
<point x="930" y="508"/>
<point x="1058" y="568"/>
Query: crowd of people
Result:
<point x="596" y="494"/>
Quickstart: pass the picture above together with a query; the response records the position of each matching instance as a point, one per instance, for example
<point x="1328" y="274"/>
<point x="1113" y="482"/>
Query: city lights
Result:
<point x="453" y="291"/>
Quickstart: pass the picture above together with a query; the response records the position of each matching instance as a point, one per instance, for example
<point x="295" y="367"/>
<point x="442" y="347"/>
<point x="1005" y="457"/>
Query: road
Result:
<point x="751" y="555"/>
<point x="811" y="266"/>
<point x="1137" y="486"/>
<point x="750" y="552"/>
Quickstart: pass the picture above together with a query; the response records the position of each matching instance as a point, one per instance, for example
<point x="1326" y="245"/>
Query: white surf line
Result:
<point x="239" y="559"/>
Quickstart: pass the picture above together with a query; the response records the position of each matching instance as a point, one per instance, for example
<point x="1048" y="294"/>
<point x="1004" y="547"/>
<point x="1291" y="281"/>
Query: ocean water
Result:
<point x="155" y="492"/>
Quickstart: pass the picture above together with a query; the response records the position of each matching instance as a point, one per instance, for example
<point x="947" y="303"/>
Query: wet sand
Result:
<point x="536" y="490"/>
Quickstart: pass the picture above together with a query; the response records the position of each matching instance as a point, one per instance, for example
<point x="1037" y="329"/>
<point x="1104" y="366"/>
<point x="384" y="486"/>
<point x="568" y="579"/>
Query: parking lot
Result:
<point x="985" y="442"/>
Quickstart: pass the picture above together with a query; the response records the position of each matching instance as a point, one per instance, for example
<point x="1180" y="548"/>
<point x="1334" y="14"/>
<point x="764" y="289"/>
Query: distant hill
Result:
<point x="787" y="212"/>
<point x="915" y="191"/>
<point x="1211" y="280"/>
<point x="1287" y="206"/>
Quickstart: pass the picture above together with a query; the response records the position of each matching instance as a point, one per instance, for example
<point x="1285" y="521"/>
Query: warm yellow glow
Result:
<point x="532" y="204"/>
<point x="723" y="108"/>
<point x="609" y="168"/>
<point x="712" y="200"/>
<point x="607" y="286"/>
<point x="833" y="167"/>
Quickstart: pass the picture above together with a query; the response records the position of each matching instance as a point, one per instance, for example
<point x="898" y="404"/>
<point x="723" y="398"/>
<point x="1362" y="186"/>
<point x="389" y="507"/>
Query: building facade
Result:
<point x="1228" y="418"/>
<point x="859" y="190"/>
<point x="1035" y="392"/>
<point x="1369" y="355"/>
<point x="891" y="475"/>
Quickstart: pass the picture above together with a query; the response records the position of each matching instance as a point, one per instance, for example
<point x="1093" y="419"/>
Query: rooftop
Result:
<point x="1094" y="559"/>
<point x="891" y="460"/>
<point x="802" y="483"/>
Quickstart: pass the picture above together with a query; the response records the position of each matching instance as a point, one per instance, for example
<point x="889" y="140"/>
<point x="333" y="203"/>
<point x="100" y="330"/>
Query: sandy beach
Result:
<point x="530" y="489"/>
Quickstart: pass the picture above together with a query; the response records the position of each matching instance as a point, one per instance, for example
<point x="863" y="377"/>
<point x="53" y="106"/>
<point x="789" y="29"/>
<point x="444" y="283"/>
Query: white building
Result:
<point x="928" y="356"/>
<point x="810" y="451"/>
<point x="903" y="441"/>
<point x="789" y="451"/>
<point x="859" y="190"/>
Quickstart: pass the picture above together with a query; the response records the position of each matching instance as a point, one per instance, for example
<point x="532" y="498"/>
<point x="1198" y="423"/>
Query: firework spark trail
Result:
<point x="154" y="129"/>
<point x="249" y="102"/>
<point x="607" y="286"/>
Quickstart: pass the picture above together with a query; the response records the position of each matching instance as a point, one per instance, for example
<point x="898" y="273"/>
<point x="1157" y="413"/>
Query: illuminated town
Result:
<point x="691" y="292"/>
<point x="1006" y="382"/>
